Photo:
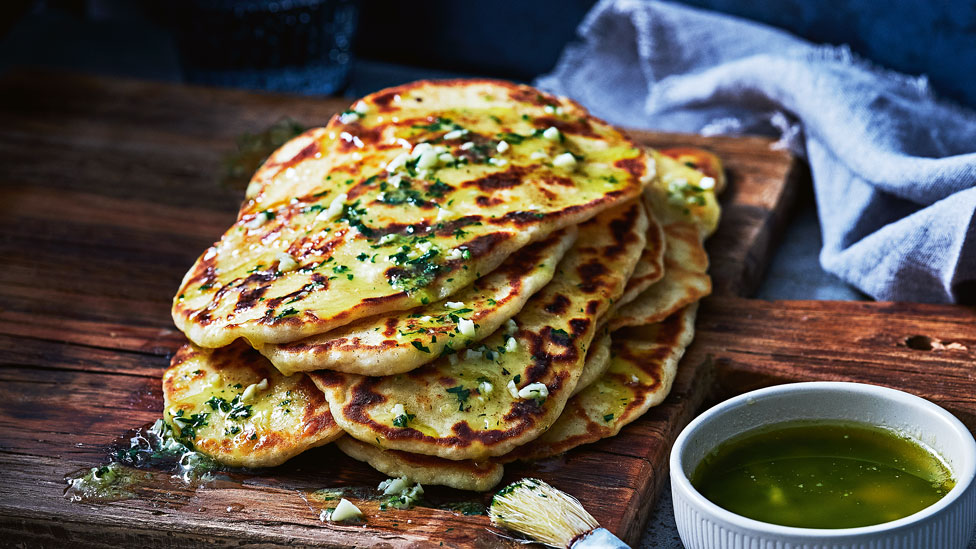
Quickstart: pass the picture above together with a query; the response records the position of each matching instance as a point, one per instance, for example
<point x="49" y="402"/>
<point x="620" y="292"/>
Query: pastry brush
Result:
<point x="552" y="517"/>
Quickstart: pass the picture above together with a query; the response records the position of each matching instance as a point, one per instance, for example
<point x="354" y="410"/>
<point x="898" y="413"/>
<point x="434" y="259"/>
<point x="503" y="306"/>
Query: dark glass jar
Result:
<point x="285" y="45"/>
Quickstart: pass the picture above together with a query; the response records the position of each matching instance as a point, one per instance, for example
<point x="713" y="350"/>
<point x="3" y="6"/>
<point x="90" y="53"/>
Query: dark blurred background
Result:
<point x="307" y="46"/>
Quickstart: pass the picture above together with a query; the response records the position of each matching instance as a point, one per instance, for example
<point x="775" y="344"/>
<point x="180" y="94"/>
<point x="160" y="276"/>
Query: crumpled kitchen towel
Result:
<point x="894" y="168"/>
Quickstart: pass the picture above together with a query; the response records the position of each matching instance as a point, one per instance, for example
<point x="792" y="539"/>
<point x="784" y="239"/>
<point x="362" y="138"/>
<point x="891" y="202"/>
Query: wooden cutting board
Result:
<point x="108" y="191"/>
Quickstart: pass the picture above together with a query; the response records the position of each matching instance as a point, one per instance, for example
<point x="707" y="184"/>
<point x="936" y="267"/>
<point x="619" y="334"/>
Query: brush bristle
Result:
<point x="541" y="512"/>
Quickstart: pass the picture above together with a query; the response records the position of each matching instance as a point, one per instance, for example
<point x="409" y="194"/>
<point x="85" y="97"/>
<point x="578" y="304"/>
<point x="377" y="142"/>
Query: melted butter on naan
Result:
<point x="236" y="408"/>
<point x="597" y="361"/>
<point x="399" y="342"/>
<point x="354" y="220"/>
<point x="642" y="368"/>
<point x="467" y="409"/>
<point x="463" y="474"/>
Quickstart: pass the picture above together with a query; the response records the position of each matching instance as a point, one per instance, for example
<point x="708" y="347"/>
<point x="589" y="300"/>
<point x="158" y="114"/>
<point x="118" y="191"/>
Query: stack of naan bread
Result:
<point x="447" y="277"/>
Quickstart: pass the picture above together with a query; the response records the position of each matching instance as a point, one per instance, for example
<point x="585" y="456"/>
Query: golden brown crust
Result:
<point x="454" y="416"/>
<point x="271" y="425"/>
<point x="485" y="202"/>
<point x="463" y="475"/>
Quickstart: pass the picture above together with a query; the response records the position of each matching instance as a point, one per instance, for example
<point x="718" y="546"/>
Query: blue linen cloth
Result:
<point x="894" y="168"/>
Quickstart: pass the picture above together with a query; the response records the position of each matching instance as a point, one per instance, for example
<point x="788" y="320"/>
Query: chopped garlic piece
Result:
<point x="497" y="161"/>
<point x="259" y="219"/>
<point x="398" y="162"/>
<point x="427" y="160"/>
<point x="471" y="354"/>
<point x="252" y="390"/>
<point x="419" y="149"/>
<point x="443" y="214"/>
<point x="634" y="378"/>
<point x="454" y="134"/>
<point x="454" y="305"/>
<point x="456" y="253"/>
<point x="466" y="327"/>
<point x="345" y="511"/>
<point x="534" y="390"/>
<point x="334" y="210"/>
<point x="502" y="147"/>
<point x="467" y="146"/>
<point x="511" y="345"/>
<point x="393" y="485"/>
<point x="538" y="155"/>
<point x="510" y="327"/>
<point x="360" y="107"/>
<point x="552" y="133"/>
<point x="513" y="389"/>
<point x="395" y="180"/>
<point x="348" y="117"/>
<point x="565" y="160"/>
<point x="286" y="263"/>
<point x="485" y="388"/>
<point x="445" y="158"/>
<point x="398" y="410"/>
<point x="707" y="183"/>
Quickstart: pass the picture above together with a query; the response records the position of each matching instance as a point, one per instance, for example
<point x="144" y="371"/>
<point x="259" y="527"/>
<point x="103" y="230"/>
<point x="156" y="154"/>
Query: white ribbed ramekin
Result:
<point x="947" y="524"/>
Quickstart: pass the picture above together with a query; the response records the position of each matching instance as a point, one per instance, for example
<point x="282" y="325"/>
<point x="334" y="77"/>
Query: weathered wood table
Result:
<point x="108" y="191"/>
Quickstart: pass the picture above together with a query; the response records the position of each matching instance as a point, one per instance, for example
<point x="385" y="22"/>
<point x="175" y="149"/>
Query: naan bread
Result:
<point x="650" y="267"/>
<point x="399" y="342"/>
<point x="685" y="280"/>
<point x="464" y="408"/>
<point x="402" y="202"/>
<point x="597" y="361"/>
<point x="684" y="201"/>
<point x="642" y="368"/>
<point x="236" y="408"/>
<point x="699" y="160"/>
<point x="463" y="475"/>
<point x="680" y="193"/>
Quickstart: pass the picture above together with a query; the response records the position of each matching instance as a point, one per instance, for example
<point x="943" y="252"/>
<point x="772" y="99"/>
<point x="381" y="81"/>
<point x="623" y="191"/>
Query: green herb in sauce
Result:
<point x="822" y="475"/>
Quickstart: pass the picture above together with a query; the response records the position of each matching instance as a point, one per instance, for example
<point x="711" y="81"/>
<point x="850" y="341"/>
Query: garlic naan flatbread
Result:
<point x="404" y="200"/>
<point x="463" y="474"/>
<point x="508" y="390"/>
<point x="642" y="368"/>
<point x="236" y="408"/>
<point x="399" y="342"/>
<point x="684" y="200"/>
<point x="596" y="363"/>
<point x="685" y="280"/>
<point x="650" y="267"/>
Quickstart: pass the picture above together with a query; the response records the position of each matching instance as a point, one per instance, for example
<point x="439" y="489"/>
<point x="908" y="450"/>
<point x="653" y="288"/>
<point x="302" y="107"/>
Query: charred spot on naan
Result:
<point x="233" y="406"/>
<point x="642" y="367"/>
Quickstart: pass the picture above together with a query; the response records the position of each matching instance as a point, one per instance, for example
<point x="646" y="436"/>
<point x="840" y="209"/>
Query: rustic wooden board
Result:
<point x="108" y="192"/>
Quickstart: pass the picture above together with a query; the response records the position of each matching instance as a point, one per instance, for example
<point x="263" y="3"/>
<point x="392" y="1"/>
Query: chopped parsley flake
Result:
<point x="462" y="395"/>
